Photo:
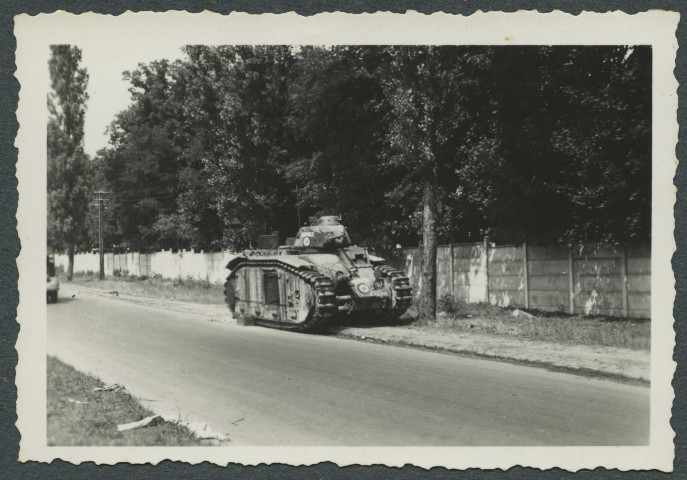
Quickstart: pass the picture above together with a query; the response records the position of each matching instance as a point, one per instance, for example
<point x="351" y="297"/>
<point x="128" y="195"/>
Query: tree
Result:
<point x="572" y="157"/>
<point x="430" y="90"/>
<point x="154" y="165"/>
<point x="247" y="141"/>
<point x="603" y="141"/>
<point x="339" y="123"/>
<point x="68" y="168"/>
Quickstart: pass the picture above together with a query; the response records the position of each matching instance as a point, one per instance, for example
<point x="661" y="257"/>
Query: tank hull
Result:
<point x="311" y="291"/>
<point x="279" y="295"/>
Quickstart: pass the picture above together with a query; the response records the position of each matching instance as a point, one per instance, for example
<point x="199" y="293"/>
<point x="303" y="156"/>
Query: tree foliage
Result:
<point x="68" y="165"/>
<point x="339" y="123"/>
<point x="154" y="168"/>
<point x="547" y="144"/>
<point x="433" y="127"/>
<point x="573" y="146"/>
<point x="247" y="142"/>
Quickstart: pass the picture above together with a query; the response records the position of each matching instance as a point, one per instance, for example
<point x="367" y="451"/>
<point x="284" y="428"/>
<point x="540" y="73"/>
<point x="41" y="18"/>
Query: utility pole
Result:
<point x="100" y="197"/>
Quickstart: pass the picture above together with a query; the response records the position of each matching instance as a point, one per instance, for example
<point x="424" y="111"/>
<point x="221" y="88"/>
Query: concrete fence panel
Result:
<point x="444" y="272"/>
<point x="548" y="272"/>
<point x="590" y="279"/>
<point x="506" y="275"/>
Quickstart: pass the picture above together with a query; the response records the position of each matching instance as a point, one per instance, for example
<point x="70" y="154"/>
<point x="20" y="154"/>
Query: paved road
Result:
<point x="265" y="387"/>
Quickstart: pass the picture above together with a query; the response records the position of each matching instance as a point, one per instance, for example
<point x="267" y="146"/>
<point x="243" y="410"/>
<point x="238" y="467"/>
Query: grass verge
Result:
<point x="542" y="326"/>
<point x="94" y="421"/>
<point x="189" y="290"/>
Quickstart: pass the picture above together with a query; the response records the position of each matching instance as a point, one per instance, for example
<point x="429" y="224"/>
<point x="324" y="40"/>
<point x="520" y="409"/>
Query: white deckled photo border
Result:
<point x="34" y="36"/>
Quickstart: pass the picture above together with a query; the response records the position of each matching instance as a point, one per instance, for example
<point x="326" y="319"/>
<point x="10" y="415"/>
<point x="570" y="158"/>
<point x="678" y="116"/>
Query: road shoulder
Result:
<point x="620" y="364"/>
<point x="218" y="312"/>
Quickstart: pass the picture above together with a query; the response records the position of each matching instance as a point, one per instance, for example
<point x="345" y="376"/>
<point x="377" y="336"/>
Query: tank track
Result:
<point x="325" y="299"/>
<point x="401" y="285"/>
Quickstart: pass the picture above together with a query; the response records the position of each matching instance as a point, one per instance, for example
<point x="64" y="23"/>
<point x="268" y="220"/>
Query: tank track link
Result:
<point x="402" y="288"/>
<point x="325" y="299"/>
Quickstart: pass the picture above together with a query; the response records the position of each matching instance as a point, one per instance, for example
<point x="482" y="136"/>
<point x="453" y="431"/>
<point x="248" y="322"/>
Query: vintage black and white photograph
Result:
<point x="283" y="243"/>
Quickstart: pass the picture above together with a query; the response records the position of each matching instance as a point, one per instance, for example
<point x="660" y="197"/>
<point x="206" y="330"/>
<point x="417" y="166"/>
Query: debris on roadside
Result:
<point x="203" y="432"/>
<point x="152" y="420"/>
<point x="517" y="313"/>
<point x="115" y="387"/>
<point x="199" y="429"/>
<point x="220" y="319"/>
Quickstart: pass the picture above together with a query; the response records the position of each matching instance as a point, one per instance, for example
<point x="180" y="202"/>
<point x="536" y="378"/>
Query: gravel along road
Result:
<point x="265" y="387"/>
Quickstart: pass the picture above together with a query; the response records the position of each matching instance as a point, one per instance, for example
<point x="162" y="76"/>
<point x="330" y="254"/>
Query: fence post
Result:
<point x="623" y="278"/>
<point x="485" y="262"/>
<point x="571" y="279"/>
<point x="526" y="274"/>
<point x="450" y="270"/>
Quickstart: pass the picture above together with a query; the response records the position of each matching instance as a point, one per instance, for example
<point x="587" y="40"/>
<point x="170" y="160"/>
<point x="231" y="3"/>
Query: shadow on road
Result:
<point x="367" y="321"/>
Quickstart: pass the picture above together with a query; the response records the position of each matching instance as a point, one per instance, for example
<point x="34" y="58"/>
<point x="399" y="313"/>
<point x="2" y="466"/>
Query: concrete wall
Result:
<point x="583" y="278"/>
<point x="182" y="264"/>
<point x="592" y="279"/>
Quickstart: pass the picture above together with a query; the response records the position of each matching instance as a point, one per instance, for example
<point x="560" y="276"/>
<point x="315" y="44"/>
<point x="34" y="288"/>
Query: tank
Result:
<point x="317" y="279"/>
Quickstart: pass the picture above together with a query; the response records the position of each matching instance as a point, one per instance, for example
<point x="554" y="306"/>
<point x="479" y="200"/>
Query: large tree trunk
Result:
<point x="70" y="265"/>
<point x="428" y="287"/>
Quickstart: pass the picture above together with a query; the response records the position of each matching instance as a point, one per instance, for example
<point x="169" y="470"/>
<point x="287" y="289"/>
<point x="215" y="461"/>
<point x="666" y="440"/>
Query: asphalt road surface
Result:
<point x="265" y="387"/>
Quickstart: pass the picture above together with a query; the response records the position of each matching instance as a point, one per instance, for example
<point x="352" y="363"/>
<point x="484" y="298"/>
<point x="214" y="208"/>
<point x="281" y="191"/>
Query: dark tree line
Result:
<point x="547" y="144"/>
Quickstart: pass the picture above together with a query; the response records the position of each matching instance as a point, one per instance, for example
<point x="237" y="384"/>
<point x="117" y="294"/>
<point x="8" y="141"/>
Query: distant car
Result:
<point x="53" y="281"/>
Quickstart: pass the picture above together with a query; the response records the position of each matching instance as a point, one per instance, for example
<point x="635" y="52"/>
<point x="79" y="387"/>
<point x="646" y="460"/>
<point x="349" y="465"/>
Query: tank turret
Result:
<point x="326" y="233"/>
<point x="314" y="280"/>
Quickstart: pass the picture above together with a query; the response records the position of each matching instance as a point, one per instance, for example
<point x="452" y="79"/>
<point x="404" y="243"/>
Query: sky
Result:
<point x="108" y="92"/>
